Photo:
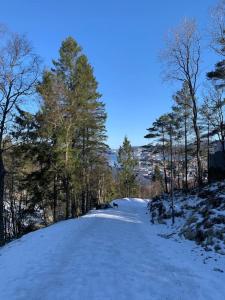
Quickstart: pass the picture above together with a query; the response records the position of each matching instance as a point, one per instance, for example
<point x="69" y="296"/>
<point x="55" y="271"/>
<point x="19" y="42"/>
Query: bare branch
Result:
<point x="19" y="71"/>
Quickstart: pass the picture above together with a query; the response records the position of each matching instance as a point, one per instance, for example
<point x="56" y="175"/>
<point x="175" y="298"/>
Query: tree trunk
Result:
<point x="197" y="134"/>
<point x="164" y="165"/>
<point x="2" y="183"/>
<point x="54" y="199"/>
<point x="186" y="154"/>
<point x="222" y="142"/>
<point x="12" y="204"/>
<point x="208" y="154"/>
<point x="171" y="175"/>
<point x="83" y="202"/>
<point x="83" y="193"/>
<point x="73" y="204"/>
<point x="67" y="196"/>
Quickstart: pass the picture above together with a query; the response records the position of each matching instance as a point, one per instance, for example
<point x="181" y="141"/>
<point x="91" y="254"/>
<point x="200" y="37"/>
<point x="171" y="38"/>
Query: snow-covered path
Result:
<point x="108" y="254"/>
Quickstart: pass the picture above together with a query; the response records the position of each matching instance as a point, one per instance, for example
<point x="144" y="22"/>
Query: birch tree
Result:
<point x="181" y="60"/>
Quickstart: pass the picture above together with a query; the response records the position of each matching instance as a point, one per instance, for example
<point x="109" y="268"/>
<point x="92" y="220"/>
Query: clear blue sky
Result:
<point x="122" y="39"/>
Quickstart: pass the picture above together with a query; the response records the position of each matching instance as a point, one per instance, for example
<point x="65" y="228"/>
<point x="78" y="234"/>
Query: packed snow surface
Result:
<point x="109" y="254"/>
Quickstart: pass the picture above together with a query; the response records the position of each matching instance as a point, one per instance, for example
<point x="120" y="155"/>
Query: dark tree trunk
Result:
<point x="73" y="205"/>
<point x="2" y="182"/>
<point x="67" y="196"/>
<point x="54" y="199"/>
<point x="222" y="142"/>
<point x="171" y="175"/>
<point x="186" y="154"/>
<point x="208" y="154"/>
<point x="83" y="203"/>
<point x="164" y="164"/>
<point x="12" y="205"/>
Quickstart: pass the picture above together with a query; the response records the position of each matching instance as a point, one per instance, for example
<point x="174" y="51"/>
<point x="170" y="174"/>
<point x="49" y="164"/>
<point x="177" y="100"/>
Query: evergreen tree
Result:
<point x="218" y="43"/>
<point x="74" y="118"/>
<point x="158" y="134"/>
<point x="183" y="109"/>
<point x="157" y="176"/>
<point x="127" y="174"/>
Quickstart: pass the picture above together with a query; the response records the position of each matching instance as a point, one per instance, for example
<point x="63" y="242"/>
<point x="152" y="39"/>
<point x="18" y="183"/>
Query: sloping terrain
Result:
<point x="108" y="254"/>
<point x="200" y="215"/>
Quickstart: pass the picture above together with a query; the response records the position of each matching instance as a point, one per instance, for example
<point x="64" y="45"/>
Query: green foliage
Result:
<point x="127" y="174"/>
<point x="64" y="171"/>
<point x="157" y="176"/>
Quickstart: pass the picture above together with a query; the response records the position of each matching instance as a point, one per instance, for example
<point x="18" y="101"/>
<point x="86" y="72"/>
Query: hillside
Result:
<point x="199" y="215"/>
<point x="109" y="254"/>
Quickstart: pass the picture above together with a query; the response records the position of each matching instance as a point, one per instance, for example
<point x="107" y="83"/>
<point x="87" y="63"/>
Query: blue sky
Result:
<point x="122" y="39"/>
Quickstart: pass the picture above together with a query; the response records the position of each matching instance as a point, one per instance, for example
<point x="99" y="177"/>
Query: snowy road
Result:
<point x="110" y="254"/>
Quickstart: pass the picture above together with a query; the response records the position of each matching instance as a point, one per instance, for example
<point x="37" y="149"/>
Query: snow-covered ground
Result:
<point x="109" y="254"/>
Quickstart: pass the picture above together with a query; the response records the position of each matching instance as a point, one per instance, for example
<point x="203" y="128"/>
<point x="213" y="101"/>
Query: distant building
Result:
<point x="216" y="163"/>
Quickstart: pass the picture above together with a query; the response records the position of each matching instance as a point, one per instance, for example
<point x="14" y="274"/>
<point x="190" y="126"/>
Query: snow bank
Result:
<point x="200" y="215"/>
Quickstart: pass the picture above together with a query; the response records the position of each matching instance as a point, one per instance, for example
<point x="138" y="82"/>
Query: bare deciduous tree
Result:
<point x="181" y="58"/>
<point x="19" y="69"/>
<point x="217" y="27"/>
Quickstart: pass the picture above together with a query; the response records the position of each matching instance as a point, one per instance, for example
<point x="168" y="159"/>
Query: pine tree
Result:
<point x="157" y="176"/>
<point x="183" y="109"/>
<point x="127" y="174"/>
<point x="158" y="134"/>
<point x="75" y="118"/>
<point x="218" y="43"/>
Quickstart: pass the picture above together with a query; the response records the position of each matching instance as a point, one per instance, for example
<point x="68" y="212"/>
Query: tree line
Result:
<point x="53" y="162"/>
<point x="53" y="151"/>
<point x="184" y="136"/>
